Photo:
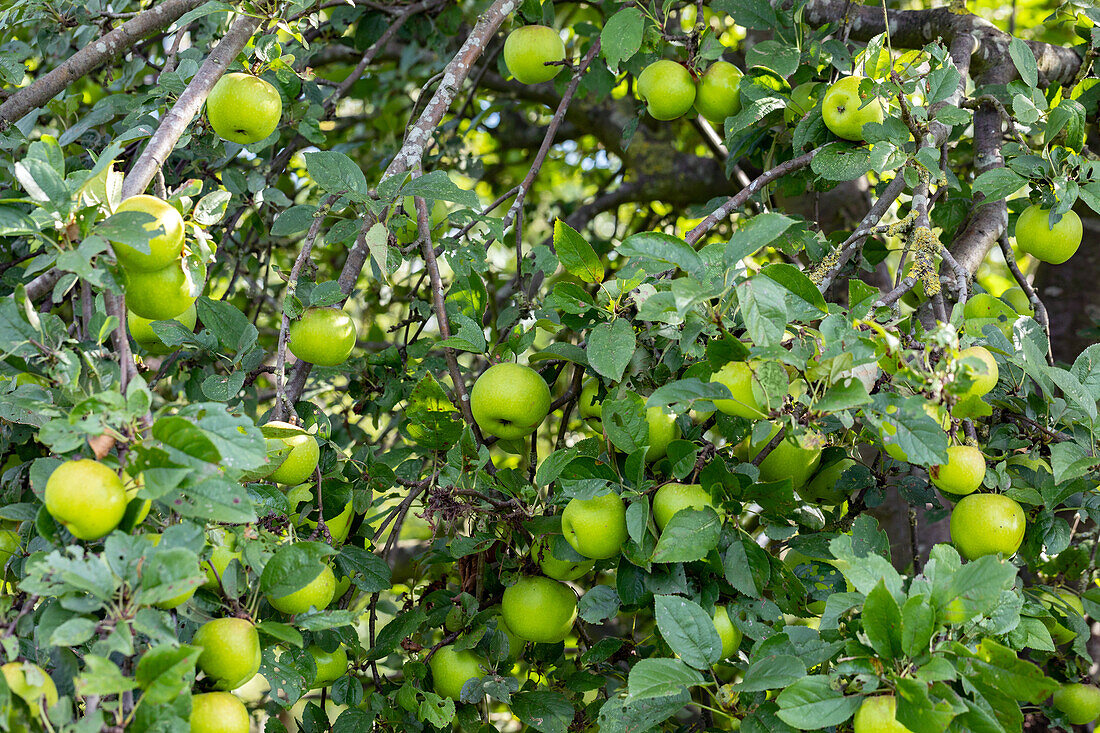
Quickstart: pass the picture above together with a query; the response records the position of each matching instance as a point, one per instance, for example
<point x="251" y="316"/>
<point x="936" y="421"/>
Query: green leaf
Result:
<point x="660" y="677"/>
<point x="598" y="604"/>
<point x="336" y="173"/>
<point x="757" y="233"/>
<point x="686" y="391"/>
<point x="294" y="220"/>
<point x="619" y="716"/>
<point x="611" y="347"/>
<point x="470" y="336"/>
<point x="688" y="536"/>
<point x="811" y="703"/>
<point x="662" y="248"/>
<point x="621" y="37"/>
<point x="1024" y="60"/>
<point x="797" y="284"/>
<point x="763" y="309"/>
<point x="576" y="254"/>
<point x="882" y="622"/>
<point x="370" y="573"/>
<point x="688" y="630"/>
<point x="1015" y="677"/>
<point x="543" y="710"/>
<point x="997" y="183"/>
<point x="746" y="565"/>
<point x="101" y="676"/>
<point x="437" y="711"/>
<point x="755" y="14"/>
<point x="166" y="671"/>
<point x="842" y="162"/>
<point x="772" y="672"/>
<point x="844" y="395"/>
<point x="293" y="567"/>
<point x="438" y="186"/>
<point x="918" y="624"/>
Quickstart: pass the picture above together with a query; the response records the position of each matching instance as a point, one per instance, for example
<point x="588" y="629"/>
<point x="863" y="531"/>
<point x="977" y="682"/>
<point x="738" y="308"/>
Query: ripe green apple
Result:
<point x="331" y="666"/>
<point x="844" y="111"/>
<point x="822" y="488"/>
<point x="737" y="376"/>
<point x="219" y="712"/>
<point x="529" y="48"/>
<point x="796" y="457"/>
<point x="589" y="407"/>
<point x="802" y="101"/>
<point x="230" y="651"/>
<point x="982" y="310"/>
<point x="301" y="462"/>
<point x="322" y="336"/>
<point x="141" y="329"/>
<point x="985" y="524"/>
<point x="718" y="95"/>
<point x="596" y="528"/>
<point x="30" y="682"/>
<point x="963" y="473"/>
<point x="876" y="715"/>
<point x="509" y="400"/>
<point x="1017" y="298"/>
<point x="982" y="369"/>
<point x="317" y="594"/>
<point x="164" y="248"/>
<point x="243" y="108"/>
<point x="539" y="609"/>
<point x="162" y="294"/>
<point x="1080" y="702"/>
<point x="1054" y="245"/>
<point x="663" y="429"/>
<point x="672" y="498"/>
<point x="727" y="632"/>
<point x="452" y="669"/>
<point x="555" y="558"/>
<point x="667" y="88"/>
<point x="86" y="497"/>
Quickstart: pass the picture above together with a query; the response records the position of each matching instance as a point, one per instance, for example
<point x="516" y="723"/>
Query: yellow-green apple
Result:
<point x="846" y="111"/>
<point x="164" y="247"/>
<point x="142" y="329"/>
<point x="218" y="712"/>
<point x="985" y="524"/>
<point x="539" y="609"/>
<point x="316" y="594"/>
<point x="322" y="336"/>
<point x="667" y="88"/>
<point x="589" y="406"/>
<point x="215" y="567"/>
<point x="1080" y="702"/>
<point x="963" y="473"/>
<point x="529" y="49"/>
<point x="86" y="497"/>
<point x="737" y="376"/>
<point x="982" y="310"/>
<point x="30" y="682"/>
<point x="1038" y="238"/>
<point x="663" y="429"/>
<point x="301" y="462"/>
<point x="717" y="95"/>
<point x="557" y="559"/>
<point x="331" y="666"/>
<point x="451" y="669"/>
<point x="1059" y="603"/>
<point x="672" y="498"/>
<point x="243" y="108"/>
<point x="727" y="632"/>
<point x="876" y="715"/>
<point x="981" y="367"/>
<point x="162" y="294"/>
<point x="822" y="488"/>
<point x="802" y="101"/>
<point x="596" y="528"/>
<point x="1017" y="298"/>
<point x="230" y="651"/>
<point x="795" y="457"/>
<point x="509" y="400"/>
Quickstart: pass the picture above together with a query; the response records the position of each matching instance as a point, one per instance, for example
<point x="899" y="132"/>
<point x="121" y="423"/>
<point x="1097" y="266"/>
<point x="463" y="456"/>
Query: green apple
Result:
<point x="1017" y="298"/>
<point x="298" y="465"/>
<point x="1038" y="238"/>
<point x="164" y="247"/>
<point x="331" y="666"/>
<point x="539" y="609"/>
<point x="822" y="488"/>
<point x="672" y="498"/>
<point x="230" y="651"/>
<point x="802" y="101"/>
<point x="322" y="336"/>
<point x="795" y="457"/>
<point x="737" y="376"/>
<point x="451" y="669"/>
<point x="557" y="559"/>
<point x="219" y="712"/>
<point x="982" y="310"/>
<point x="318" y="593"/>
<point x="141" y="329"/>
<point x="243" y="108"/>
<point x="876" y="715"/>
<point x="509" y="400"/>
<point x="846" y="111"/>
<point x="981" y="367"/>
<point x="338" y="526"/>
<point x="717" y="95"/>
<point x="667" y="88"/>
<point x="589" y="407"/>
<point x="528" y="49"/>
<point x="1080" y="702"/>
<point x="86" y="497"/>
<point x="162" y="294"/>
<point x="515" y="644"/>
<point x="215" y="567"/>
<point x="986" y="524"/>
<point x="30" y="682"/>
<point x="1013" y="464"/>
<point x="596" y="528"/>
<point x="663" y="429"/>
<point x="963" y="473"/>
<point x="727" y="632"/>
<point x="409" y="232"/>
<point x="1059" y="603"/>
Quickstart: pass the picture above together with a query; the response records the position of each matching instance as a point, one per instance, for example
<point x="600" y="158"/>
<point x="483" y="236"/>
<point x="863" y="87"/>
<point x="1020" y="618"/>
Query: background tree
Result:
<point x="506" y="364"/>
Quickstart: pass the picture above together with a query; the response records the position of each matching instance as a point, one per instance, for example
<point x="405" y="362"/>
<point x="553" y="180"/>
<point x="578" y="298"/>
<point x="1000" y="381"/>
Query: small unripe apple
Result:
<point x="243" y="108"/>
<point x="673" y="498"/>
<point x="718" y="95"/>
<point x="846" y="111"/>
<point x="322" y="336"/>
<point x="1080" y="702"/>
<point x="301" y="462"/>
<point x="822" y="488"/>
<point x="982" y="369"/>
<point x="165" y="247"/>
<point x="876" y="715"/>
<point x="663" y="429"/>
<point x="667" y="88"/>
<point x="794" y="457"/>
<point x="539" y="609"/>
<point x="963" y="473"/>
<point x="1038" y="238"/>
<point x="589" y="407"/>
<point x="509" y="400"/>
<point x="86" y="497"/>
<point x="317" y="594"/>
<point x="451" y="669"/>
<point x="802" y="101"/>
<point x="331" y="666"/>
<point x="727" y="632"/>
<point x="528" y="49"/>
<point x="230" y="651"/>
<point x="162" y="294"/>
<point x="596" y="528"/>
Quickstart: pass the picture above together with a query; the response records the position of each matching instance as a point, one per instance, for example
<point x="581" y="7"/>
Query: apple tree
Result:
<point x="554" y="366"/>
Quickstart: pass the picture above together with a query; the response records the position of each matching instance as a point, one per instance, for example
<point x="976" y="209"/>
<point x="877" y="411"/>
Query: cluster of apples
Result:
<point x="669" y="90"/>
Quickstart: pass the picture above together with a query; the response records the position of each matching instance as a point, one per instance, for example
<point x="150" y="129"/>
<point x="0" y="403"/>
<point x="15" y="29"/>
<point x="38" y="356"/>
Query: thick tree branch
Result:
<point x="91" y="57"/>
